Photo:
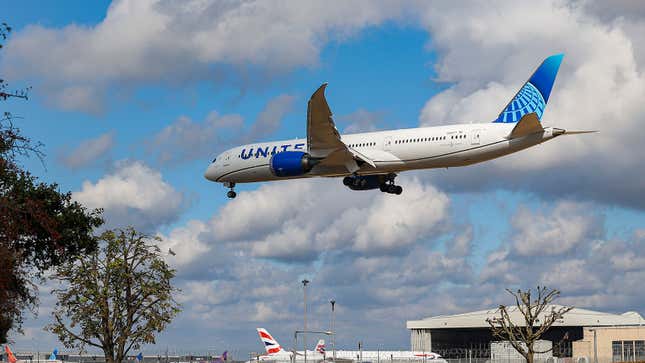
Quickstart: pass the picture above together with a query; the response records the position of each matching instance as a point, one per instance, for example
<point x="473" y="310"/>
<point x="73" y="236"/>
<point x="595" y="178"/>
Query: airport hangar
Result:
<point x="619" y="338"/>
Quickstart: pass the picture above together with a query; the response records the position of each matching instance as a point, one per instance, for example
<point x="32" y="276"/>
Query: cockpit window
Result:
<point x="213" y="160"/>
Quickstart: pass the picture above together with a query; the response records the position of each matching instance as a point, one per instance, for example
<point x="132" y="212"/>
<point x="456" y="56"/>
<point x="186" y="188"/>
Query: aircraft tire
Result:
<point x="231" y="194"/>
<point x="398" y="190"/>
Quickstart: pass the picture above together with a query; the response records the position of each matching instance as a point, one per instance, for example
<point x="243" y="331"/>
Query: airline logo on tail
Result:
<point x="270" y="344"/>
<point x="320" y="347"/>
<point x="534" y="95"/>
<point x="54" y="354"/>
<point x="10" y="356"/>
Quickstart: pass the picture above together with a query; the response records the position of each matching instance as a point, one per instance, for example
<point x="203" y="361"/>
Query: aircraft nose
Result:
<point x="211" y="173"/>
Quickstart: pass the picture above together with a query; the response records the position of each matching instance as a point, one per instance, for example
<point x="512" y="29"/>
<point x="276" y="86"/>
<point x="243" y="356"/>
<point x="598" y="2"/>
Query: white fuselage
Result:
<point x="355" y="355"/>
<point x="391" y="151"/>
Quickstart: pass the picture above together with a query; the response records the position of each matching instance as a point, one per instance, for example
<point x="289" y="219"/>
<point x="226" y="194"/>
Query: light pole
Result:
<point x="333" y="337"/>
<point x="304" y="336"/>
<point x="595" y="346"/>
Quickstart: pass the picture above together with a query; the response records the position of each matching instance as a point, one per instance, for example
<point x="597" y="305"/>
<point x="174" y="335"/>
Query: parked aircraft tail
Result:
<point x="54" y="354"/>
<point x="534" y="95"/>
<point x="320" y="347"/>
<point x="270" y="344"/>
<point x="10" y="357"/>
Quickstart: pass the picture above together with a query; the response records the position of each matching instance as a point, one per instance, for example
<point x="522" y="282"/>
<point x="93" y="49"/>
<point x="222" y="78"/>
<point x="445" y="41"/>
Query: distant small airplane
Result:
<point x="11" y="358"/>
<point x="222" y="358"/>
<point x="371" y="160"/>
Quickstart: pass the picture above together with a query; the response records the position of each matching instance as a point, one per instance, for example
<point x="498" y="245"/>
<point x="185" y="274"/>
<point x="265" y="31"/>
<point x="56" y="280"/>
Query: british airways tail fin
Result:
<point x="320" y="346"/>
<point x="271" y="345"/>
<point x="534" y="95"/>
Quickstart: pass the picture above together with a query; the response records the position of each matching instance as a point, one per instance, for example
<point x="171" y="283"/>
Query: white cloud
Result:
<point x="133" y="194"/>
<point x="185" y="140"/>
<point x="185" y="242"/>
<point x="599" y="87"/>
<point x="88" y="151"/>
<point x="555" y="231"/>
<point x="150" y="41"/>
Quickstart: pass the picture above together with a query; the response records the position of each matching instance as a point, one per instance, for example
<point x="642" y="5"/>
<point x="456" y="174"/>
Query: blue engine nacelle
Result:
<point x="363" y="182"/>
<point x="291" y="163"/>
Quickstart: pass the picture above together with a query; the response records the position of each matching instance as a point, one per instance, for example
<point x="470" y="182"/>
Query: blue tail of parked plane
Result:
<point x="54" y="354"/>
<point x="534" y="95"/>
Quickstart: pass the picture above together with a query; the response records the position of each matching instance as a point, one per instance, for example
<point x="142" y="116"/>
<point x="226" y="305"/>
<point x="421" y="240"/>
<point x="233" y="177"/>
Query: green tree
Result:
<point x="116" y="298"/>
<point x="537" y="315"/>
<point x="40" y="226"/>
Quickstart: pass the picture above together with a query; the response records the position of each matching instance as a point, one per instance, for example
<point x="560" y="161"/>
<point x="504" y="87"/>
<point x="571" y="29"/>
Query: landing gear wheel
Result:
<point x="398" y="190"/>
<point x="391" y="189"/>
<point x="383" y="187"/>
<point x="231" y="193"/>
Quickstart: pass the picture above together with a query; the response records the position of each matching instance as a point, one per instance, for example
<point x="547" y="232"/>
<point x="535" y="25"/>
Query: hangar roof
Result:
<point x="575" y="317"/>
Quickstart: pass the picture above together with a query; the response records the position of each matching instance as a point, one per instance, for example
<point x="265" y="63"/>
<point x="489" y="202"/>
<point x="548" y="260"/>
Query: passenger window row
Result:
<point x="363" y="144"/>
<point x="423" y="139"/>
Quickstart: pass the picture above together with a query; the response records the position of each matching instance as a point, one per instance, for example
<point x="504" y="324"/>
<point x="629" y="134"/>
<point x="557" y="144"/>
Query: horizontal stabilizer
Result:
<point x="528" y="124"/>
<point x="558" y="132"/>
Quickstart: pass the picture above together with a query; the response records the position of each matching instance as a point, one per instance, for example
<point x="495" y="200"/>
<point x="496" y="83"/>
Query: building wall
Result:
<point x="604" y="338"/>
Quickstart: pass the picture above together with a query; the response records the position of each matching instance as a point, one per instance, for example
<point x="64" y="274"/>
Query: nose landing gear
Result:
<point x="388" y="185"/>
<point x="231" y="193"/>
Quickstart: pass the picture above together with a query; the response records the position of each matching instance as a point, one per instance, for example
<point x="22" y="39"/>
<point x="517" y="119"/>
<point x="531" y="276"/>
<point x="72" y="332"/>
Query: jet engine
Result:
<point x="291" y="163"/>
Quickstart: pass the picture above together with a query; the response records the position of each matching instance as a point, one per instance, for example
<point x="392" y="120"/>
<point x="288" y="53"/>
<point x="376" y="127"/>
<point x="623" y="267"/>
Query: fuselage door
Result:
<point x="475" y="137"/>
<point x="387" y="143"/>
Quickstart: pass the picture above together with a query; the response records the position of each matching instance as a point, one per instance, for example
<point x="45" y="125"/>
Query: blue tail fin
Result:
<point x="534" y="95"/>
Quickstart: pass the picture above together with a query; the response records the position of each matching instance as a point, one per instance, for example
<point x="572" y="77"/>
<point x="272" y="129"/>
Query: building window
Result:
<point x="640" y="349"/>
<point x="628" y="350"/>
<point x="617" y="351"/>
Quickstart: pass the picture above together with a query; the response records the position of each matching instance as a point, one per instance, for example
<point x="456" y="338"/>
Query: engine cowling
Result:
<point x="291" y="163"/>
<point x="363" y="182"/>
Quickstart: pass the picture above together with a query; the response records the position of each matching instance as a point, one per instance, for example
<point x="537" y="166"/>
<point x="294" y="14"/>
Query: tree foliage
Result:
<point x="40" y="227"/>
<point x="538" y="314"/>
<point x="115" y="298"/>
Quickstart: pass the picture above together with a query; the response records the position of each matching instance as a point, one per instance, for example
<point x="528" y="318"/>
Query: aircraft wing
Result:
<point x="323" y="138"/>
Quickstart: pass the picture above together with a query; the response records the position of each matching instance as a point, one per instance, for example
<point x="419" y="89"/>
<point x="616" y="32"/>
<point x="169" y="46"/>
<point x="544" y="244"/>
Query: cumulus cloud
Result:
<point x="161" y="40"/>
<point x="556" y="231"/>
<point x="88" y="151"/>
<point x="186" y="140"/>
<point x="361" y="120"/>
<point x="133" y="194"/>
<point x="598" y="88"/>
<point x="367" y="224"/>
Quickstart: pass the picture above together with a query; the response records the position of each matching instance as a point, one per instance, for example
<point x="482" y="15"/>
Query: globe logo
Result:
<point x="528" y="99"/>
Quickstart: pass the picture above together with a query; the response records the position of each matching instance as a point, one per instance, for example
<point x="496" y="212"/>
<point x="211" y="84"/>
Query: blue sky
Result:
<point x="114" y="90"/>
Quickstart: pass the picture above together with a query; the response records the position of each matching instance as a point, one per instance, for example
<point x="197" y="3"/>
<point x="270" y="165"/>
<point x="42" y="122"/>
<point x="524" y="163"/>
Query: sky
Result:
<point x="132" y="99"/>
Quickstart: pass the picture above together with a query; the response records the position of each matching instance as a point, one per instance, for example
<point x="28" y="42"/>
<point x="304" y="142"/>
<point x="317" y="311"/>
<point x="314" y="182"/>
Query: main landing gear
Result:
<point x="231" y="193"/>
<point x="388" y="185"/>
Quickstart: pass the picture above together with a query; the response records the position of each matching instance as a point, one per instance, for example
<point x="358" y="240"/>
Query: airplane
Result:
<point x="222" y="358"/>
<point x="372" y="160"/>
<point x="11" y="358"/>
<point x="274" y="352"/>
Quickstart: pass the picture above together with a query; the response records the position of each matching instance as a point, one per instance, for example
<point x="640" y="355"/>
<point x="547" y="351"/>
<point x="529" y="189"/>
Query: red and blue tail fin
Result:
<point x="534" y="95"/>
<point x="271" y="345"/>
